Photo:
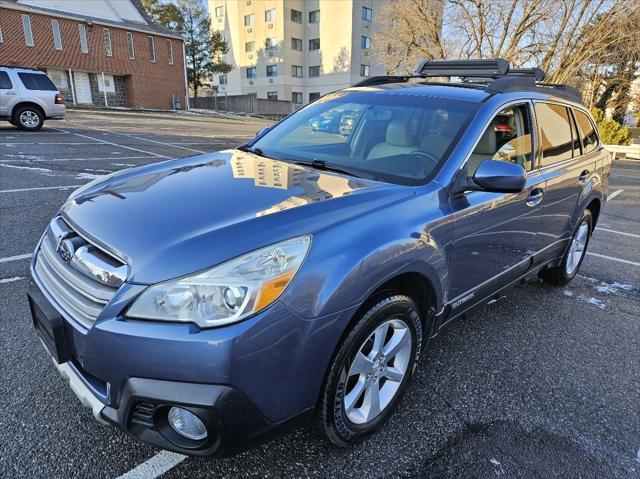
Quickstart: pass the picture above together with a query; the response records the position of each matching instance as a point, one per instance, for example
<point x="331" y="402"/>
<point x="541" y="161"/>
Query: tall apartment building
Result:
<point x="295" y="50"/>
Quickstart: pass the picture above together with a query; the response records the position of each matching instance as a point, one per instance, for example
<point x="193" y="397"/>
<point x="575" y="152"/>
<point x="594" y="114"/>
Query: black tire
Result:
<point x="13" y="122"/>
<point x="559" y="275"/>
<point x="28" y="118"/>
<point x="331" y="418"/>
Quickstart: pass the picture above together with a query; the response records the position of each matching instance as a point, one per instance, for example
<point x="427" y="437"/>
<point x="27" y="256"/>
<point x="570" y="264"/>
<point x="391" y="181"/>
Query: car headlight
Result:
<point x="228" y="292"/>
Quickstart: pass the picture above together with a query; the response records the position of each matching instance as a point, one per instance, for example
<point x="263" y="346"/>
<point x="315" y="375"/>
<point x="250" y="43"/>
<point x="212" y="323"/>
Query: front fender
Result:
<point x="348" y="261"/>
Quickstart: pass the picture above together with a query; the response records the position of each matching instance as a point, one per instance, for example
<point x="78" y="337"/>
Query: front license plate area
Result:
<point x="50" y="327"/>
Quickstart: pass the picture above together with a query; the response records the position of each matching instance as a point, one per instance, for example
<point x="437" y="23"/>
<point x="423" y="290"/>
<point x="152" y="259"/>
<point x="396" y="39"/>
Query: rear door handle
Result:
<point x="535" y="196"/>
<point x="584" y="176"/>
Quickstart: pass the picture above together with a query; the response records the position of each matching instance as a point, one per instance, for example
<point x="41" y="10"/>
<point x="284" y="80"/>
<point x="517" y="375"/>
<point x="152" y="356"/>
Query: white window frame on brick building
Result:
<point x="130" y="46"/>
<point x="1" y="37"/>
<point x="152" y="48"/>
<point x="28" y="32"/>
<point x="57" y="37"/>
<point x="59" y="78"/>
<point x="106" y="40"/>
<point x="82" y="32"/>
<point x="170" y="48"/>
<point x="109" y="84"/>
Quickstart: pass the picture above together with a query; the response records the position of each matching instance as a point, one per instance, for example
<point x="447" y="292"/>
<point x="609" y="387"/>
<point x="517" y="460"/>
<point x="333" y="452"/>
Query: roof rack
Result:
<point x="495" y="75"/>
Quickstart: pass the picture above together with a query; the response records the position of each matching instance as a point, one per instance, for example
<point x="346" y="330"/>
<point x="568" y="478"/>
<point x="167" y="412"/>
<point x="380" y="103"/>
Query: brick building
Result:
<point x="99" y="52"/>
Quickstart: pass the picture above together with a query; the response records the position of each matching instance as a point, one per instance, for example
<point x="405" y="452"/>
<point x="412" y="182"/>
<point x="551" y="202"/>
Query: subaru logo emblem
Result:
<point x="66" y="250"/>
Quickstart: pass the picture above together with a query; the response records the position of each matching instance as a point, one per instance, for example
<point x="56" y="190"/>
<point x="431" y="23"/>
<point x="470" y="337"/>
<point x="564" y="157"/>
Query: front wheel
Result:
<point x="574" y="255"/>
<point x="371" y="370"/>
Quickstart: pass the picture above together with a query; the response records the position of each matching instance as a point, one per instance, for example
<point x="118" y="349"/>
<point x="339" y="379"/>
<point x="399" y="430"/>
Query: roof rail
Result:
<point x="15" y="67"/>
<point x="381" y="80"/>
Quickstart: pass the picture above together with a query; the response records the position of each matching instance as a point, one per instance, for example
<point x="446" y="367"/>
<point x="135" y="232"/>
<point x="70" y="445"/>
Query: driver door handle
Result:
<point x="535" y="196"/>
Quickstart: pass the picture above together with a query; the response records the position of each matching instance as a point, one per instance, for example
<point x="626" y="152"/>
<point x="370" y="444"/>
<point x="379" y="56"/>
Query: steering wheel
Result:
<point x="428" y="155"/>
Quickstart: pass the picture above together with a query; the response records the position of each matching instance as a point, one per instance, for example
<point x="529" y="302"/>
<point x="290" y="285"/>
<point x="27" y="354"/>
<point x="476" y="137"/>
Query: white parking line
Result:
<point x="18" y="190"/>
<point x="48" y="143"/>
<point x="172" y="145"/>
<point x="116" y="144"/>
<point x="15" y="258"/>
<point x="599" y="228"/>
<point x="620" y="260"/>
<point x="154" y="467"/>
<point x="614" y="194"/>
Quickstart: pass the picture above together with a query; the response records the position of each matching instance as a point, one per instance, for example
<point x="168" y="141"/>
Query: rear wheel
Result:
<point x="28" y="118"/>
<point x="371" y="370"/>
<point x="574" y="255"/>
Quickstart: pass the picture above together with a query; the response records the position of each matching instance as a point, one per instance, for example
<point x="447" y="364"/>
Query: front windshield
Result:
<point x="386" y="135"/>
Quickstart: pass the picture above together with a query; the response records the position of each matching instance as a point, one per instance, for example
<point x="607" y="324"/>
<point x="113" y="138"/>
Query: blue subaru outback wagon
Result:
<point x="204" y="304"/>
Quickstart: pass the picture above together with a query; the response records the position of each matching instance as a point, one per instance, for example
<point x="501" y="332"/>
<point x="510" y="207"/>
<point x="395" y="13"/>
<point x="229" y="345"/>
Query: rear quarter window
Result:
<point x="555" y="133"/>
<point x="587" y="131"/>
<point x="36" y="81"/>
<point x="5" y="81"/>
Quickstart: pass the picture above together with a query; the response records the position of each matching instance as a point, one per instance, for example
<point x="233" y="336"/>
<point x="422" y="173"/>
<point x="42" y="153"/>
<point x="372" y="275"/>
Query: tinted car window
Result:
<point x="555" y="133"/>
<point x="37" y="81"/>
<point x="507" y="138"/>
<point x="587" y="131"/>
<point x="5" y="81"/>
<point x="390" y="138"/>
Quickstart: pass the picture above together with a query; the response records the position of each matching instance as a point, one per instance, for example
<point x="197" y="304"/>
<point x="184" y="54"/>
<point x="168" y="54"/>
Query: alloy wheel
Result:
<point x="29" y="119"/>
<point x="577" y="248"/>
<point x="377" y="370"/>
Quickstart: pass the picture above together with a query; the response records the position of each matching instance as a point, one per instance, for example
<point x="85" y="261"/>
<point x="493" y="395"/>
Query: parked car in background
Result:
<point x="203" y="304"/>
<point x="28" y="97"/>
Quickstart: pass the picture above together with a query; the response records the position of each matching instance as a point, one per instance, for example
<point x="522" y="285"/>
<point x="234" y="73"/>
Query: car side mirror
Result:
<point x="498" y="177"/>
<point x="262" y="131"/>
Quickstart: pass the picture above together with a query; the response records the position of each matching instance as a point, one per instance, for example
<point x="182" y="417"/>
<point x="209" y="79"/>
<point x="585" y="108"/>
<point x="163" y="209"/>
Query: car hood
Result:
<point x="177" y="217"/>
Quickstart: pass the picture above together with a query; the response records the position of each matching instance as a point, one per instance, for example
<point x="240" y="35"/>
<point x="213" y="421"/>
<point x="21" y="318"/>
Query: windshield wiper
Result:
<point x="323" y="165"/>
<point x="255" y="151"/>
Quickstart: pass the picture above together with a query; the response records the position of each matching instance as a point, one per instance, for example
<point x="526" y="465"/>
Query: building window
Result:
<point x="367" y="14"/>
<point x="251" y="73"/>
<point x="272" y="95"/>
<point x="109" y="85"/>
<point x="270" y="15"/>
<point x="106" y="37"/>
<point x="248" y="20"/>
<point x="249" y="46"/>
<point x="272" y="70"/>
<point x="170" y="48"/>
<point x="130" y="48"/>
<point x="296" y="97"/>
<point x="57" y="38"/>
<point x="314" y="44"/>
<point x="296" y="16"/>
<point x="314" y="17"/>
<point x="152" y="49"/>
<point x="296" y="44"/>
<point x="222" y="79"/>
<point x="1" y="37"/>
<point x="59" y="79"/>
<point x="296" y="71"/>
<point x="314" y="96"/>
<point x="5" y="81"/>
<point x="314" y="71"/>
<point x="365" y="43"/>
<point x="364" y="70"/>
<point x="28" y="34"/>
<point x="219" y="11"/>
<point x="271" y="44"/>
<point x="84" y="45"/>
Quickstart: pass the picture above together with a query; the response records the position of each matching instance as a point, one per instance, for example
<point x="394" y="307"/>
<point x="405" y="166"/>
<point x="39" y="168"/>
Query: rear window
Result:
<point x="587" y="131"/>
<point x="37" y="81"/>
<point x="555" y="133"/>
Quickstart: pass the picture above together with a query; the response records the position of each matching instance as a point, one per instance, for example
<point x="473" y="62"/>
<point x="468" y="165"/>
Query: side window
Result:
<point x="5" y="81"/>
<point x="555" y="133"/>
<point x="507" y="138"/>
<point x="37" y="81"/>
<point x="587" y="131"/>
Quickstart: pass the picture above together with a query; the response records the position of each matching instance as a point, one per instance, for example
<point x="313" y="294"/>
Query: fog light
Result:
<point x="186" y="424"/>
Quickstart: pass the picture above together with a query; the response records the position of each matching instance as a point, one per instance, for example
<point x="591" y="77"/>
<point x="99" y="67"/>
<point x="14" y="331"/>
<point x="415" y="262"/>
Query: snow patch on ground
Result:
<point x="11" y="280"/>
<point x="45" y="171"/>
<point x="87" y="176"/>
<point x="594" y="301"/>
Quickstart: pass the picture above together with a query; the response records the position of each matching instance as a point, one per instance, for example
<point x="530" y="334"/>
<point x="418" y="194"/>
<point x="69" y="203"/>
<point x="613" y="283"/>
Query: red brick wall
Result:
<point x="150" y="85"/>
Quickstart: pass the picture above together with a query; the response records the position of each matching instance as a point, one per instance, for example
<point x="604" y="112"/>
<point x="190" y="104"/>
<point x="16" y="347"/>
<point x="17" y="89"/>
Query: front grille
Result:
<point x="72" y="277"/>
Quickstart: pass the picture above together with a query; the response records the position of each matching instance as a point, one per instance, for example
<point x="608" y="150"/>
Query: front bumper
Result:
<point x="245" y="381"/>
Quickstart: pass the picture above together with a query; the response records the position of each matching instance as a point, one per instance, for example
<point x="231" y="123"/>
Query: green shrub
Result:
<point x="611" y="132"/>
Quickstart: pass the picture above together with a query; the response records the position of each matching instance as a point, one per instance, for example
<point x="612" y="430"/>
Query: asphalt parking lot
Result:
<point x="545" y="383"/>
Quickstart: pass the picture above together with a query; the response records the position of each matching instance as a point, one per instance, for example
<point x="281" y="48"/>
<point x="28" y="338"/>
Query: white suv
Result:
<point x="28" y="97"/>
